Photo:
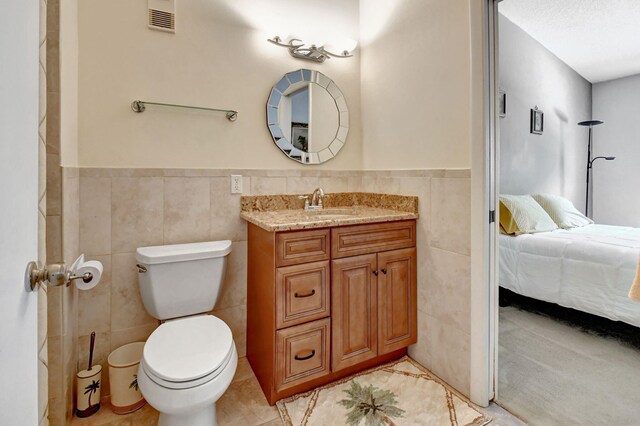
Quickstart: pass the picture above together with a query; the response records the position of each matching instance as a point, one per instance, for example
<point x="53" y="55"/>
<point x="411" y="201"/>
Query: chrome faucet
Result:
<point x="316" y="198"/>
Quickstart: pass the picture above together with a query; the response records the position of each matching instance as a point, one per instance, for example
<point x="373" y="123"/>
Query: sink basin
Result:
<point x="331" y="213"/>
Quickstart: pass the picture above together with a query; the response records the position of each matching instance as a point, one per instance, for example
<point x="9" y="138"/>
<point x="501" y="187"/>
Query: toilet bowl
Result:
<point x="187" y="365"/>
<point x="188" y="362"/>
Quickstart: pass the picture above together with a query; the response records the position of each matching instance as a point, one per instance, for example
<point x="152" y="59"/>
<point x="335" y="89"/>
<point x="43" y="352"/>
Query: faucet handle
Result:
<point x="306" y="201"/>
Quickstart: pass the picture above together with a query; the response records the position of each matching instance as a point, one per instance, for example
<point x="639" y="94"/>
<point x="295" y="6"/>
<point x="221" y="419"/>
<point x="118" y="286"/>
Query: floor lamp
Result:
<point x="590" y="161"/>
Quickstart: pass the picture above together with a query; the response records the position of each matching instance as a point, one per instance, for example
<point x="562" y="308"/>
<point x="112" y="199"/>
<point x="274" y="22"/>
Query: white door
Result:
<point x="19" y="29"/>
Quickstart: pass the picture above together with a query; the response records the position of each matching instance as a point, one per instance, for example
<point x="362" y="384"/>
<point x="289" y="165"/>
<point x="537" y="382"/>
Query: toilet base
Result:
<point x="205" y="416"/>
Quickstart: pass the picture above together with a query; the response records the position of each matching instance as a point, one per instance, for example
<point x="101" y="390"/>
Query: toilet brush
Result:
<point x="88" y="385"/>
<point x="91" y="346"/>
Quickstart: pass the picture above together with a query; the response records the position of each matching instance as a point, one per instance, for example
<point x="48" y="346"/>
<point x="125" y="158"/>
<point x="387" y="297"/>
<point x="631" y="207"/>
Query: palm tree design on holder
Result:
<point x="376" y="406"/>
<point x="90" y="389"/>
<point x="134" y="383"/>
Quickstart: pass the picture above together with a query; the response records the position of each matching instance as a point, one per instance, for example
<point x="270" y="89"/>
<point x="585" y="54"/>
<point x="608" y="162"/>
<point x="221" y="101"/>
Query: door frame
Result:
<point x="484" y="189"/>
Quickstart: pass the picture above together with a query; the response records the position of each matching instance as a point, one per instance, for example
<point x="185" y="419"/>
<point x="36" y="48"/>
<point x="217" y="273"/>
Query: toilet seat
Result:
<point x="188" y="352"/>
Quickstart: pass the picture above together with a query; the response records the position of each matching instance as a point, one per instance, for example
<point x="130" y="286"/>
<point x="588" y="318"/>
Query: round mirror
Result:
<point x="308" y="116"/>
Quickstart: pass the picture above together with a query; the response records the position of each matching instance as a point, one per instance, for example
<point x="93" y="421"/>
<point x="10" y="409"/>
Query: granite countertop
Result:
<point x="286" y="212"/>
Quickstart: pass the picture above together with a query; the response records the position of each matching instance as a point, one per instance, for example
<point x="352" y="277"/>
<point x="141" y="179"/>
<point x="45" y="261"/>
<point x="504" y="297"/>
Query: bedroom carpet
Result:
<point x="554" y="374"/>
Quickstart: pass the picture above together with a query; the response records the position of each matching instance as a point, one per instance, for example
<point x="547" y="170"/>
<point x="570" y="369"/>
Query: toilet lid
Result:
<point x="188" y="349"/>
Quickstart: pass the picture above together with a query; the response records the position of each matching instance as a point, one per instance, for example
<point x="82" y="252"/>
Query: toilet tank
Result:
<point x="182" y="279"/>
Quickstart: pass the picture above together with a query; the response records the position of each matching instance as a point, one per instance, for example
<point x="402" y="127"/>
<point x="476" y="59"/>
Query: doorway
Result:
<point x="555" y="357"/>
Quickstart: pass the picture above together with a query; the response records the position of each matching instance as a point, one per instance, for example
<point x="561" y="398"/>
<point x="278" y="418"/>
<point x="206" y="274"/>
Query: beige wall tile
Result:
<point x="70" y="218"/>
<point x="127" y="310"/>
<point x="450" y="214"/>
<point x="54" y="239"/>
<point x="268" y="185"/>
<point x="55" y="365"/>
<point x="53" y="122"/>
<point x="130" y="335"/>
<point x="42" y="318"/>
<point x="334" y="184"/>
<point x="226" y="223"/>
<point x="94" y="306"/>
<point x="449" y="287"/>
<point x="42" y="238"/>
<point x="301" y="185"/>
<point x="54" y="185"/>
<point x="236" y="319"/>
<point x="234" y="287"/>
<point x="43" y="388"/>
<point x="420" y="351"/>
<point x="354" y="184"/>
<point x="450" y="355"/>
<point x="137" y="213"/>
<point x="69" y="316"/>
<point x="95" y="215"/>
<point x="186" y="210"/>
<point x="54" y="311"/>
<point x="42" y="176"/>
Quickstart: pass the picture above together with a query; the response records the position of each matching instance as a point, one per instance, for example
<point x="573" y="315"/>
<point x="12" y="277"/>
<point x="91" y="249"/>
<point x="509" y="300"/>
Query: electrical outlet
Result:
<point x="236" y="184"/>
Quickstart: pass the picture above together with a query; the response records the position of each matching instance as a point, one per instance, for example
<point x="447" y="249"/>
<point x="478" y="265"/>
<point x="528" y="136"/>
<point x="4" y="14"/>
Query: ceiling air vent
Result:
<point x="162" y="15"/>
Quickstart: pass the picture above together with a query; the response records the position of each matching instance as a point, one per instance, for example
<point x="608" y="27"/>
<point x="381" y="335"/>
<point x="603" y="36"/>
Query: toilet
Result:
<point x="188" y="362"/>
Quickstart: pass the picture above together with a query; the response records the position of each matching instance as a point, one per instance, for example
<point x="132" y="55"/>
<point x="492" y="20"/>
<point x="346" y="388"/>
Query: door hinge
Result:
<point x="492" y="216"/>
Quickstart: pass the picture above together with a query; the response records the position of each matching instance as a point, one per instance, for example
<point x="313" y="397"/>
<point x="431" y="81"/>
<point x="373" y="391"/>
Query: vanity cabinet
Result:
<point x="374" y="305"/>
<point x="326" y="303"/>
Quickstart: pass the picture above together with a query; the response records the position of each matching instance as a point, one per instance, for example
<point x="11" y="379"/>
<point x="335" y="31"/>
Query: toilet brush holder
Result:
<point x="88" y="391"/>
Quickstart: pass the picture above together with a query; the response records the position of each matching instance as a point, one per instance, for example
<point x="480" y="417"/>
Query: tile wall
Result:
<point x="122" y="209"/>
<point x="62" y="227"/>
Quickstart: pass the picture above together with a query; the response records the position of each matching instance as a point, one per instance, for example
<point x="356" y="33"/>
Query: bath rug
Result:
<point x="398" y="393"/>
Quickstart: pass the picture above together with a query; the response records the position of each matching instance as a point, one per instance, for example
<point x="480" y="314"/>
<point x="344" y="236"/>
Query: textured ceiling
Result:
<point x="600" y="39"/>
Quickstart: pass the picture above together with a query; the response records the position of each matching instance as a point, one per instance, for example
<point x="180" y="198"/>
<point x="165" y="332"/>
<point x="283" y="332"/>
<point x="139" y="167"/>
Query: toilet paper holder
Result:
<point x="55" y="275"/>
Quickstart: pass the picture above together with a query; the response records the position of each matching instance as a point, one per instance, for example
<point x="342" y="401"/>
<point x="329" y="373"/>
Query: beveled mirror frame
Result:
<point x="273" y="103"/>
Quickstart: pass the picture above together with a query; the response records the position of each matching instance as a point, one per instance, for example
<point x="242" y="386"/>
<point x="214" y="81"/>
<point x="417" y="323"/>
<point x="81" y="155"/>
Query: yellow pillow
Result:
<point x="507" y="224"/>
<point x="525" y="215"/>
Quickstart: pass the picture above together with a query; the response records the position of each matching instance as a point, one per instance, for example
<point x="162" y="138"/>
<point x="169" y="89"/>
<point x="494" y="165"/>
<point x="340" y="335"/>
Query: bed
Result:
<point x="589" y="268"/>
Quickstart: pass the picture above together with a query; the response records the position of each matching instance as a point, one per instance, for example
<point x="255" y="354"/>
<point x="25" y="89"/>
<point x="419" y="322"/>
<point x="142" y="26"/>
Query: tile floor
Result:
<point x="242" y="404"/>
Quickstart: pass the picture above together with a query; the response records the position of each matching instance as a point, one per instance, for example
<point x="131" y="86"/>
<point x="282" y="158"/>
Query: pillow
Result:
<point x="562" y="211"/>
<point x="525" y="215"/>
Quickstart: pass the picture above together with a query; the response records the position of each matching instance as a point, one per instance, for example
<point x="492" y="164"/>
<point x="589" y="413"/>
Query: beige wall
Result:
<point x="415" y="71"/>
<point x="67" y="74"/>
<point x="217" y="59"/>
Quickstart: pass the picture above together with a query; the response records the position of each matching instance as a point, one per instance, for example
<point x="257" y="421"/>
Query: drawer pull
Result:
<point x="384" y="271"/>
<point x="304" y="358"/>
<point x="298" y="295"/>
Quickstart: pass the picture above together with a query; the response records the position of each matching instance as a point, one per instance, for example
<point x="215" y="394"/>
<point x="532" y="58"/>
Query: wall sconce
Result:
<point x="297" y="48"/>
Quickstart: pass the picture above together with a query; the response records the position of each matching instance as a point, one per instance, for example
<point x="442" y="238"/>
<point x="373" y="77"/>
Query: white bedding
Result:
<point x="589" y="268"/>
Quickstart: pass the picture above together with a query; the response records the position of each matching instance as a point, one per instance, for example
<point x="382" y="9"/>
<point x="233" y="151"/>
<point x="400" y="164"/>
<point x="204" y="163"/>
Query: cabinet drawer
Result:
<point x="303" y="353"/>
<point x="362" y="239"/>
<point x="293" y="248"/>
<point x="302" y="293"/>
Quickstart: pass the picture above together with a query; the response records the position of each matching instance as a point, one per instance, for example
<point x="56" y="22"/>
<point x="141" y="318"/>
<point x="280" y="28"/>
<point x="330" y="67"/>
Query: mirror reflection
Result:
<point x="308" y="116"/>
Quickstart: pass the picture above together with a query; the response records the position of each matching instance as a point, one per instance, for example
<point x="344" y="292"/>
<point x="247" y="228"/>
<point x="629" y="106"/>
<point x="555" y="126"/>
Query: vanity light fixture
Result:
<point x="297" y="49"/>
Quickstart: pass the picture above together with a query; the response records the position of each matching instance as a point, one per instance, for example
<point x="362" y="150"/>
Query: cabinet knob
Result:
<point x="384" y="271"/>
<point x="375" y="273"/>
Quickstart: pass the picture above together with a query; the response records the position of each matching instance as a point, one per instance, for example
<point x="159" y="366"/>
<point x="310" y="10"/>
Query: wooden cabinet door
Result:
<point x="354" y="311"/>
<point x="397" y="287"/>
